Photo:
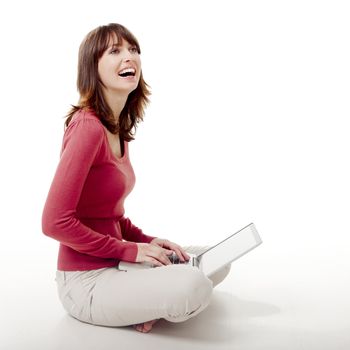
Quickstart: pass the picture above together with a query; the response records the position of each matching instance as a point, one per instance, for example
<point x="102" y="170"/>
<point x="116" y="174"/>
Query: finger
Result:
<point x="169" y="252"/>
<point x="169" y="245"/>
<point x="155" y="262"/>
<point x="151" y="256"/>
<point x="165" y="259"/>
<point x="186" y="255"/>
<point x="162" y="243"/>
<point x="160" y="255"/>
<point x="180" y="254"/>
<point x="164" y="256"/>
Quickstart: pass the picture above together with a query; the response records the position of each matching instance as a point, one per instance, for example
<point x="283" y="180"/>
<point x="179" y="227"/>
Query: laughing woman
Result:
<point x="84" y="209"/>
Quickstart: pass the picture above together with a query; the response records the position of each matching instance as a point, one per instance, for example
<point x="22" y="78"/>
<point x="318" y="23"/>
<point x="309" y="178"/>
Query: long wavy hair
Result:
<point x="90" y="86"/>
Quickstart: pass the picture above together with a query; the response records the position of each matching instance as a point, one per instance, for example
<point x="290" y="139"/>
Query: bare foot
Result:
<point x="145" y="327"/>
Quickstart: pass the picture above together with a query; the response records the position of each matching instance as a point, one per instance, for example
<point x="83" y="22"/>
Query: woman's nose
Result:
<point x="127" y="56"/>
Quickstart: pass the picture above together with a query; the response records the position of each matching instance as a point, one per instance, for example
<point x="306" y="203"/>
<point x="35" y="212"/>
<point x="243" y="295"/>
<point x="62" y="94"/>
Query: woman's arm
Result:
<point x="83" y="140"/>
<point x="132" y="233"/>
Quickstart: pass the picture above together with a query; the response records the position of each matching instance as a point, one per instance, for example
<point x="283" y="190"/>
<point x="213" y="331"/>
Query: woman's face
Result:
<point x="119" y="68"/>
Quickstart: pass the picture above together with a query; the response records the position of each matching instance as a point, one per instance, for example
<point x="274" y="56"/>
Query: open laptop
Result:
<point x="214" y="258"/>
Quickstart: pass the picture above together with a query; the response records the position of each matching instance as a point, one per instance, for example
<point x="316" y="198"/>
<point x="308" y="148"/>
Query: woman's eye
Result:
<point x="134" y="49"/>
<point x="115" y="51"/>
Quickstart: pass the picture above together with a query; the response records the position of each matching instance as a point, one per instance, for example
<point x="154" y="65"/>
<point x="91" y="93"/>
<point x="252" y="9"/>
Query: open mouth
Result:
<point x="129" y="72"/>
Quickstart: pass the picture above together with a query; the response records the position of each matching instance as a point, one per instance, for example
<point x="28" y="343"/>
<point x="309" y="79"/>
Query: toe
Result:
<point x="138" y="327"/>
<point x="147" y="326"/>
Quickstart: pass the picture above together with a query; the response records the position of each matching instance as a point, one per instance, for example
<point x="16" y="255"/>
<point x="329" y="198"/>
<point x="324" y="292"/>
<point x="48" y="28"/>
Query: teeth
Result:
<point x="127" y="70"/>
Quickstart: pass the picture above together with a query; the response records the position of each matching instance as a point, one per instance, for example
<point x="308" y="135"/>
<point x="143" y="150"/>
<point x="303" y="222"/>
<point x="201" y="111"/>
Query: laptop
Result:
<point x="214" y="258"/>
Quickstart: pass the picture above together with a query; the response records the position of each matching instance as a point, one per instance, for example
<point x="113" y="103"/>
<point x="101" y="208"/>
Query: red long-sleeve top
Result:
<point x="84" y="209"/>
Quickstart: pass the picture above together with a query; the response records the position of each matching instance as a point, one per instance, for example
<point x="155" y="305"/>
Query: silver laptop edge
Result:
<point x="228" y="250"/>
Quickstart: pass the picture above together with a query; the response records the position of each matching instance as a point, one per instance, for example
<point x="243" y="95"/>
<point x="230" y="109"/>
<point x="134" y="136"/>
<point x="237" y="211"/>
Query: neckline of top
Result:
<point x="114" y="157"/>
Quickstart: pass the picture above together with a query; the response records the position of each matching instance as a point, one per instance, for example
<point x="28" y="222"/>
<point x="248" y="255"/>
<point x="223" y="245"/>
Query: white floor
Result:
<point x="266" y="302"/>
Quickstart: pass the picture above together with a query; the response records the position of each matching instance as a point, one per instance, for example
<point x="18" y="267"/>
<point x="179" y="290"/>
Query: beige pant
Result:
<point x="110" y="297"/>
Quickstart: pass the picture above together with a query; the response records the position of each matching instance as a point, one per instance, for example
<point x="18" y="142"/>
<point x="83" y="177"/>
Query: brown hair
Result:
<point x="90" y="86"/>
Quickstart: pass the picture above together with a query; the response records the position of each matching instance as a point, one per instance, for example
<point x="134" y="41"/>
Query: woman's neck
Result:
<point x="116" y="103"/>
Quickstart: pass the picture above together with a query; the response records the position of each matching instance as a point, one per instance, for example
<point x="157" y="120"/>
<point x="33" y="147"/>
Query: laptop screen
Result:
<point x="230" y="249"/>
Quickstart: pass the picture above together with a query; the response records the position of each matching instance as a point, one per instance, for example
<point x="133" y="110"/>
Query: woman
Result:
<point x="84" y="209"/>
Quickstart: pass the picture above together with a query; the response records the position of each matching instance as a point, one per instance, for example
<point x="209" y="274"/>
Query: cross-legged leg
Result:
<point x="110" y="297"/>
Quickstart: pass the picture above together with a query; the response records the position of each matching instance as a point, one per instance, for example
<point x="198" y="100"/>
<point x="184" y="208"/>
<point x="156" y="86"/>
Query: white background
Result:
<point x="248" y="122"/>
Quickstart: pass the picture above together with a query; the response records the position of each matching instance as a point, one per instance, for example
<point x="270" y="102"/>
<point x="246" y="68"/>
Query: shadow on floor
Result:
<point x="216" y="323"/>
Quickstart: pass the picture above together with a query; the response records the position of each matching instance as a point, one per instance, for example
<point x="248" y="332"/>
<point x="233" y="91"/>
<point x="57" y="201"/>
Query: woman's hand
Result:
<point x="153" y="254"/>
<point x="164" y="243"/>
